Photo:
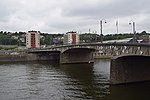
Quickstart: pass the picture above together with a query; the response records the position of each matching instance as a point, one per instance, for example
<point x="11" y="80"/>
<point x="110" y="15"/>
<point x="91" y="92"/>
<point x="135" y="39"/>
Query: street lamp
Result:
<point x="101" y="29"/>
<point x="134" y="32"/>
<point x="117" y="28"/>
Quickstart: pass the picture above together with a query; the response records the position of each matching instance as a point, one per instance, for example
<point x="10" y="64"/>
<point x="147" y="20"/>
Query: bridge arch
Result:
<point x="130" y="68"/>
<point x="77" y="55"/>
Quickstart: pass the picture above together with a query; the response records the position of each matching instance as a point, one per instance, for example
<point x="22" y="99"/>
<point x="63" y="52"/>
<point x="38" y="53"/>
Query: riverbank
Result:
<point x="25" y="58"/>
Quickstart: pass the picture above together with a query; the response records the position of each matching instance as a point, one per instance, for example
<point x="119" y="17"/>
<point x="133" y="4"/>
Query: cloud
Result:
<point x="78" y="15"/>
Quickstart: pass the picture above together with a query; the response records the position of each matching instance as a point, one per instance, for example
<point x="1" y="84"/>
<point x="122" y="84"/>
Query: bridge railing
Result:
<point x="112" y="49"/>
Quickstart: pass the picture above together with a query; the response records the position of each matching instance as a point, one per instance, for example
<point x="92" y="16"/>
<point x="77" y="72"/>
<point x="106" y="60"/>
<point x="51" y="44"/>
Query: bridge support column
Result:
<point x="129" y="69"/>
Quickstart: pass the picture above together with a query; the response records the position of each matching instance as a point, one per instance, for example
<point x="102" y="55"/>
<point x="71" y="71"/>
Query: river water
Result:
<point x="46" y="81"/>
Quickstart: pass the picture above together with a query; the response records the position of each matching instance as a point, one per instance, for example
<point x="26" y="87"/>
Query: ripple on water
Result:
<point x="43" y="81"/>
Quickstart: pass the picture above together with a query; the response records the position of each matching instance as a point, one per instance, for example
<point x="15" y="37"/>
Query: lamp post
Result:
<point x="133" y="28"/>
<point x="117" y="28"/>
<point x="101" y="29"/>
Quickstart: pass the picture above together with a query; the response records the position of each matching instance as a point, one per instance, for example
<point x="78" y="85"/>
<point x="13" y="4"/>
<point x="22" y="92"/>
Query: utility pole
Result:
<point x="134" y="32"/>
<point x="101" y="29"/>
<point x="117" y="28"/>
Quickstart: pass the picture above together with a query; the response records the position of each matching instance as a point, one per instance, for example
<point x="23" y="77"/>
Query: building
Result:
<point x="33" y="39"/>
<point x="71" y="38"/>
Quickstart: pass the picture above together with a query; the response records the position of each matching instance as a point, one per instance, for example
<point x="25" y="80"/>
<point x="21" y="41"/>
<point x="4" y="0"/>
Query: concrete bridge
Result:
<point x="129" y="62"/>
<point x="65" y="56"/>
<point x="110" y="49"/>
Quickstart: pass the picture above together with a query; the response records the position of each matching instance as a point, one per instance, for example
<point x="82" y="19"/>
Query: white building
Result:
<point x="33" y="39"/>
<point x="71" y="38"/>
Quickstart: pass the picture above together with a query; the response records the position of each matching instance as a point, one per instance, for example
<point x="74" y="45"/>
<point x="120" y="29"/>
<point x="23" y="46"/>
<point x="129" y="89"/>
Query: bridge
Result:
<point x="129" y="62"/>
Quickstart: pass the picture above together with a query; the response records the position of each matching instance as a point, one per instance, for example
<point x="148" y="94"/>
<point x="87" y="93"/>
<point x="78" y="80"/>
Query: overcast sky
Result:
<point x="53" y="16"/>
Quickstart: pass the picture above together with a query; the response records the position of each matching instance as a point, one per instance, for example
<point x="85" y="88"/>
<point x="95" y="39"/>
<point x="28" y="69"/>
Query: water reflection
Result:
<point x="33" y="74"/>
<point x="83" y="72"/>
<point x="46" y="81"/>
<point x="84" y="84"/>
<point x="43" y="81"/>
<point x="136" y="91"/>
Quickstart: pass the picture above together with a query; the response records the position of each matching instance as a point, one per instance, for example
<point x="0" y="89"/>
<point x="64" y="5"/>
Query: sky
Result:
<point x="61" y="16"/>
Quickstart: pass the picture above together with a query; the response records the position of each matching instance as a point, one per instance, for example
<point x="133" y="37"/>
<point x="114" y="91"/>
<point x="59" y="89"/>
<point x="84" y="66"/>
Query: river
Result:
<point x="46" y="81"/>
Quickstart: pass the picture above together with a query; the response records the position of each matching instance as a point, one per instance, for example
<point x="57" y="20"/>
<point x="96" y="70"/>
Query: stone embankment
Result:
<point x="17" y="58"/>
<point x="6" y="58"/>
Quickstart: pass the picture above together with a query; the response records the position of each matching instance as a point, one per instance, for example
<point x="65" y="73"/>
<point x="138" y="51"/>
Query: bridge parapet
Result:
<point x="64" y="48"/>
<point x="110" y="49"/>
<point x="122" y="50"/>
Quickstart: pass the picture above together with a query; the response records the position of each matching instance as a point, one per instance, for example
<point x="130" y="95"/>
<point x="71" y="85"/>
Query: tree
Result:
<point x="143" y="33"/>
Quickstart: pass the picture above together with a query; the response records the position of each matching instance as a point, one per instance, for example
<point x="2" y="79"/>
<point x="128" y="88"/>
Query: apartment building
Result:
<point x="33" y="39"/>
<point x="71" y="38"/>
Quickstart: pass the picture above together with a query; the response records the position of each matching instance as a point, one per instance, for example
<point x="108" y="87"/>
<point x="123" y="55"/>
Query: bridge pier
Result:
<point x="77" y="55"/>
<point x="129" y="69"/>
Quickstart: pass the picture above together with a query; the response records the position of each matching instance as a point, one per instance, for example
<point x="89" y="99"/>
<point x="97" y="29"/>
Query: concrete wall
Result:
<point x="30" y="57"/>
<point x="47" y="56"/>
<point x="128" y="69"/>
<point x="77" y="55"/>
<point x="14" y="58"/>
